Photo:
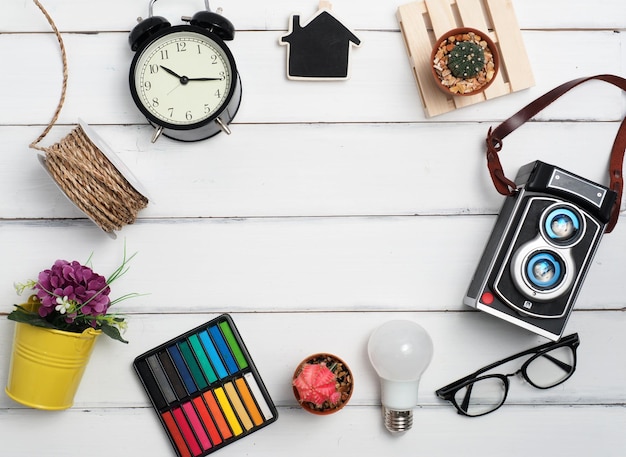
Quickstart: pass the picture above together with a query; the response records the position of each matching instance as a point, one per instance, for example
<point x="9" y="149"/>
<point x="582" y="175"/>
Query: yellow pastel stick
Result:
<point x="228" y="411"/>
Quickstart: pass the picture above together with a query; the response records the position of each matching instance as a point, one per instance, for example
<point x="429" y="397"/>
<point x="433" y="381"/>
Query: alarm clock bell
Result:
<point x="214" y="22"/>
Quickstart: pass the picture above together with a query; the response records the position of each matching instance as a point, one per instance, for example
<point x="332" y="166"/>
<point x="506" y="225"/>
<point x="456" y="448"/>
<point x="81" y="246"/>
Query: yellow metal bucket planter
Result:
<point x="47" y="365"/>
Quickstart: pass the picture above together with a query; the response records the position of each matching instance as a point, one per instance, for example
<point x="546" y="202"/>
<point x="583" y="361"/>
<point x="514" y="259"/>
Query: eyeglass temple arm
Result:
<point x="562" y="365"/>
<point x="445" y="392"/>
<point x="566" y="341"/>
<point x="466" y="398"/>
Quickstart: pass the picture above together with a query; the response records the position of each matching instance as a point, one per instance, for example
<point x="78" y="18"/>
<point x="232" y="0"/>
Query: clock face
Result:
<point x="182" y="78"/>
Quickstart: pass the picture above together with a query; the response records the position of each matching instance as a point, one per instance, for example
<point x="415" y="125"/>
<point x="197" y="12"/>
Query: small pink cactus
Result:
<point x="316" y="384"/>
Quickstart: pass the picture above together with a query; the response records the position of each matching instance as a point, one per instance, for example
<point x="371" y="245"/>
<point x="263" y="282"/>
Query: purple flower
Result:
<point x="88" y="290"/>
<point x="72" y="297"/>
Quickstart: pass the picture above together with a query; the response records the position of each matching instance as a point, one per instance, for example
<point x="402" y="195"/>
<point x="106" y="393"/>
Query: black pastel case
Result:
<point x="205" y="388"/>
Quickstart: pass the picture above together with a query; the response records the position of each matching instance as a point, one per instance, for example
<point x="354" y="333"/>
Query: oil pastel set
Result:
<point x="205" y="388"/>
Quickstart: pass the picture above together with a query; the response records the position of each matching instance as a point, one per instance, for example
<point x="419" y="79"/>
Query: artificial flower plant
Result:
<point x="72" y="297"/>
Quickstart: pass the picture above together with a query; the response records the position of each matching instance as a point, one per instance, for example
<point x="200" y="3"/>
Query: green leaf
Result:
<point x="27" y="317"/>
<point x="113" y="332"/>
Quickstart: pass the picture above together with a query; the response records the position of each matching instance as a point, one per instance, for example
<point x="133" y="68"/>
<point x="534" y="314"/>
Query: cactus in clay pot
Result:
<point x="322" y="384"/>
<point x="466" y="59"/>
<point x="316" y="384"/>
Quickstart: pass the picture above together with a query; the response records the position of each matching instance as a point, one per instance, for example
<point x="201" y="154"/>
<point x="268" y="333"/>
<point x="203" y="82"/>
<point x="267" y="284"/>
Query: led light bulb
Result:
<point x="399" y="351"/>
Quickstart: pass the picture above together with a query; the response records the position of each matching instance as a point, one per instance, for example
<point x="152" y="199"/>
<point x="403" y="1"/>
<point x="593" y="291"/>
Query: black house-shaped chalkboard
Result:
<point x="320" y="49"/>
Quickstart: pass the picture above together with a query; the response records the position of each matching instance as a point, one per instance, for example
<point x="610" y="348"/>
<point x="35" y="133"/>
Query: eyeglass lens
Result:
<point x="482" y="396"/>
<point x="487" y="393"/>
<point x="551" y="368"/>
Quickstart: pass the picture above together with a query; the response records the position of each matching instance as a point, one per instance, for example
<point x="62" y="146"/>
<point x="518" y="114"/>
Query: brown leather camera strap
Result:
<point x="495" y="136"/>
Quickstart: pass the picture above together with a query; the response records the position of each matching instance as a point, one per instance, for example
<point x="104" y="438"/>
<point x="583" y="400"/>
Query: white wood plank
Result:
<point x="98" y="83"/>
<point x="370" y="263"/>
<point x="277" y="342"/>
<point x="78" y="15"/>
<point x="311" y="169"/>
<point x="354" y="431"/>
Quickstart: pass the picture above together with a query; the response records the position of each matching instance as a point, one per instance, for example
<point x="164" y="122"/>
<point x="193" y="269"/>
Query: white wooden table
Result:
<point x="331" y="208"/>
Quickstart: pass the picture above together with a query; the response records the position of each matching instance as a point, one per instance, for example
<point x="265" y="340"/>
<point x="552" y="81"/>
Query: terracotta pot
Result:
<point x="488" y="75"/>
<point x="344" y="383"/>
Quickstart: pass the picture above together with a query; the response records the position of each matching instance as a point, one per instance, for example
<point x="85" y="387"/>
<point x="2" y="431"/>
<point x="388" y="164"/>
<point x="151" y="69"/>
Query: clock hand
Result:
<point x="171" y="72"/>
<point x="176" y="87"/>
<point x="184" y="79"/>
<point x="204" y="79"/>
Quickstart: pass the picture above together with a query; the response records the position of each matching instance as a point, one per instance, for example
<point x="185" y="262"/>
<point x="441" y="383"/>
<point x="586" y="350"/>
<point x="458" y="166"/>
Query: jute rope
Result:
<point x="84" y="173"/>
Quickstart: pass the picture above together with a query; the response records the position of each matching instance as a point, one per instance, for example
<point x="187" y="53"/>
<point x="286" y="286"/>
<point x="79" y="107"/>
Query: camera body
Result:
<point x="541" y="248"/>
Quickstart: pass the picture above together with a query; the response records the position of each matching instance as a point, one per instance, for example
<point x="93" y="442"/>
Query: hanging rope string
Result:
<point x="84" y="173"/>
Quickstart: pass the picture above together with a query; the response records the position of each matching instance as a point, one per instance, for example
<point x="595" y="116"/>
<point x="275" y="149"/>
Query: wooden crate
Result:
<point x="422" y="22"/>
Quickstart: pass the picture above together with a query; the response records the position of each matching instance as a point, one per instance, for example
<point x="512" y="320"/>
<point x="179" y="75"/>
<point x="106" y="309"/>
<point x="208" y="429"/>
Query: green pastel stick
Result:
<point x="192" y="364"/>
<point x="234" y="346"/>
<point x="202" y="358"/>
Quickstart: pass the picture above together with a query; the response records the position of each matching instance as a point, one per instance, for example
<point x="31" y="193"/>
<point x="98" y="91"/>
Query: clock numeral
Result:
<point x="147" y="85"/>
<point x="218" y="94"/>
<point x="214" y="59"/>
<point x="164" y="54"/>
<point x="155" y="102"/>
<point x="207" y="108"/>
<point x="154" y="69"/>
<point x="188" y="115"/>
<point x="222" y="75"/>
<point x="171" y="112"/>
<point x="199" y="49"/>
<point x="181" y="46"/>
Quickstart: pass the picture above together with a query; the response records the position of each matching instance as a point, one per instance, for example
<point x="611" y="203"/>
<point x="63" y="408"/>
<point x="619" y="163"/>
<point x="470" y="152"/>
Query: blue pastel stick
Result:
<point x="182" y="369"/>
<point x="213" y="355"/>
<point x="223" y="348"/>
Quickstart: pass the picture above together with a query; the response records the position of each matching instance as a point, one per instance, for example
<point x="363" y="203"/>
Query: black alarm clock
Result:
<point x="184" y="78"/>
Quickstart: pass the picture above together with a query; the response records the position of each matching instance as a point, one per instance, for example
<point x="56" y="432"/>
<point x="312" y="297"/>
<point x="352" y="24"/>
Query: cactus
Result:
<point x="316" y="383"/>
<point x="466" y="59"/>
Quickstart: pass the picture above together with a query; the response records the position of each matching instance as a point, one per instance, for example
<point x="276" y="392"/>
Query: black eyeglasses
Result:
<point x="551" y="364"/>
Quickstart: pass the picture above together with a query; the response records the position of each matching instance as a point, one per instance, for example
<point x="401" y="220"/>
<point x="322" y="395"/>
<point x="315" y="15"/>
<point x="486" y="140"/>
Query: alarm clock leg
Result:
<point x="157" y="134"/>
<point x="223" y="126"/>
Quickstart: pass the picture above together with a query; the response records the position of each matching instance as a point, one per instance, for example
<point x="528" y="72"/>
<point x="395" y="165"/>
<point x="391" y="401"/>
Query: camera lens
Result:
<point x="562" y="225"/>
<point x="543" y="270"/>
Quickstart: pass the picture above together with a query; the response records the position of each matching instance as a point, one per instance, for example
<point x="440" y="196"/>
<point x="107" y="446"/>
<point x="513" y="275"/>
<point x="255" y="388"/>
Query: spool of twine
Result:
<point x="84" y="173"/>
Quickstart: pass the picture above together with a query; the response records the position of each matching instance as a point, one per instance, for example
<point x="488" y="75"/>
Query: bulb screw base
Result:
<point x="397" y="421"/>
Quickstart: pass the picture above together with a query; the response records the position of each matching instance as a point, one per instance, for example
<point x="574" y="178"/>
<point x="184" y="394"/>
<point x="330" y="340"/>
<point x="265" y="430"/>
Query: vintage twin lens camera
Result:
<point x="541" y="248"/>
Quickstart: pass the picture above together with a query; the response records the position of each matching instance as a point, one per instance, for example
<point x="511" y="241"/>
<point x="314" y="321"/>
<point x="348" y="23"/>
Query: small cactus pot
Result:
<point x="464" y="61"/>
<point x="322" y="384"/>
